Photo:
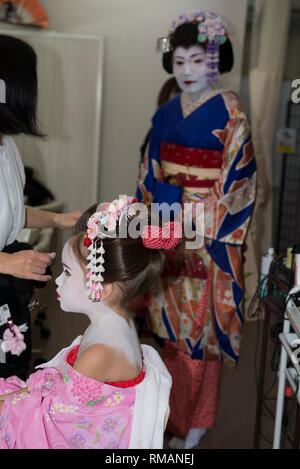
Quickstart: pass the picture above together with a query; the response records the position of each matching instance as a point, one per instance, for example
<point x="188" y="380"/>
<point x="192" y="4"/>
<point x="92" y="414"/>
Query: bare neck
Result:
<point x="199" y="94"/>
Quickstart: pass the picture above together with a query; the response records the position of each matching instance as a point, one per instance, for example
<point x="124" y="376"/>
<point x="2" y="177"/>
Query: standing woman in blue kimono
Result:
<point x="200" y="152"/>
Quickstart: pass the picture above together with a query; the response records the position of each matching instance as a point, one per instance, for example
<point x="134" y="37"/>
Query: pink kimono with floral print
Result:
<point x="63" y="409"/>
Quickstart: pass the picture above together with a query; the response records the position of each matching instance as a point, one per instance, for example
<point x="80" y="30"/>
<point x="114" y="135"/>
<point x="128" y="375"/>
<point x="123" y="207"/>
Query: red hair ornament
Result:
<point x="168" y="237"/>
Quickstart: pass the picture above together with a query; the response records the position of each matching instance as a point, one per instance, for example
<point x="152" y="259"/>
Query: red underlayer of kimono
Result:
<point x="201" y="153"/>
<point x="71" y="359"/>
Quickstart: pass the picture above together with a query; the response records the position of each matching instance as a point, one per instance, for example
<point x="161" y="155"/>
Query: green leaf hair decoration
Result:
<point x="202" y="37"/>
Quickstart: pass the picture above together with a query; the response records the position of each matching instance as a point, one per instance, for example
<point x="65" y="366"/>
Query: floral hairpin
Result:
<point x="101" y="224"/>
<point x="213" y="32"/>
<point x="189" y="17"/>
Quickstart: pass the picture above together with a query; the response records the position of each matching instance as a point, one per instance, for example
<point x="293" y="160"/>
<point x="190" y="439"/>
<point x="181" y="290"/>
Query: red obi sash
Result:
<point x="193" y="158"/>
<point x="71" y="359"/>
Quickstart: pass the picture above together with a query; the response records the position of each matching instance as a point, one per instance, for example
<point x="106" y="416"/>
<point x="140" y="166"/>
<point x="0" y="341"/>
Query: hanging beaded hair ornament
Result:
<point x="213" y="32"/>
<point x="103" y="224"/>
<point x="13" y="339"/>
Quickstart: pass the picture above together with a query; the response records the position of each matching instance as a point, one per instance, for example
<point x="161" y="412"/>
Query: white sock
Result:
<point x="194" y="437"/>
<point x="176" y="443"/>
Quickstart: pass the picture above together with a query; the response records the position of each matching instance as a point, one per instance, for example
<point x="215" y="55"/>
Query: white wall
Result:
<point x="133" y="72"/>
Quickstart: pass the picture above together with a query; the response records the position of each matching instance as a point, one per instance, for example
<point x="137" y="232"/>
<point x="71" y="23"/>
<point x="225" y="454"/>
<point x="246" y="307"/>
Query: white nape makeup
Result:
<point x="107" y="327"/>
<point x="190" y="71"/>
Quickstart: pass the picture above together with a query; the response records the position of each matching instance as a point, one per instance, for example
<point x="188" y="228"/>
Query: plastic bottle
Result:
<point x="266" y="262"/>
<point x="296" y="252"/>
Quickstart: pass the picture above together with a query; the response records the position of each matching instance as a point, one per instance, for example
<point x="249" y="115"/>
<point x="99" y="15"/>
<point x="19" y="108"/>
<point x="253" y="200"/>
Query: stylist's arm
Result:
<point x="31" y="264"/>
<point x="43" y="219"/>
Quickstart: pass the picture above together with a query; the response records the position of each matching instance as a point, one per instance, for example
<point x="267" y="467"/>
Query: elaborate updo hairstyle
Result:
<point x="186" y="35"/>
<point x="127" y="261"/>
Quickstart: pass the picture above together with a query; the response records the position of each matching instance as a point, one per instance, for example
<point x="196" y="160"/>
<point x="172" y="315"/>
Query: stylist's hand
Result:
<point x="30" y="265"/>
<point x="66" y="221"/>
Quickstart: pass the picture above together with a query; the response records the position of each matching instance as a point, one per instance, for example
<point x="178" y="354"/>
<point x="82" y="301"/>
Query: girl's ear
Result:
<point x="107" y="291"/>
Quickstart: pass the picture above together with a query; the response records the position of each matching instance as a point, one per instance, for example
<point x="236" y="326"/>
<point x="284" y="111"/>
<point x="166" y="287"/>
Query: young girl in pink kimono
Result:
<point x="105" y="390"/>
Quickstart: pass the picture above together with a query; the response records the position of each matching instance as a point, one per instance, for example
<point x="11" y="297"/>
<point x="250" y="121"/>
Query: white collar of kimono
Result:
<point x="190" y="71"/>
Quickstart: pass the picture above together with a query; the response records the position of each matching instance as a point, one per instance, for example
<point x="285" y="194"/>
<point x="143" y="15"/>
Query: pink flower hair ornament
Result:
<point x="103" y="223"/>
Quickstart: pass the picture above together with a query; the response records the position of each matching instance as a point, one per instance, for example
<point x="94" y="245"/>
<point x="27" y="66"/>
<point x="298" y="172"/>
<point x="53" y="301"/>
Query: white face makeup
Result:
<point x="189" y="69"/>
<point x="106" y="327"/>
<point x="71" y="291"/>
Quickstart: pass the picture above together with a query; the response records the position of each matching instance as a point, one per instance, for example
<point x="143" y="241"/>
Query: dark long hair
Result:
<point x="170" y="86"/>
<point x="18" y="70"/>
<point x="186" y="35"/>
<point x="127" y="261"/>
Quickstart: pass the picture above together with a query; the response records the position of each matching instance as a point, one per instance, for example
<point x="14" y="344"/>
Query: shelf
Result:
<point x="293" y="314"/>
<point x="287" y="340"/>
<point x="280" y="283"/>
<point x="294" y="382"/>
